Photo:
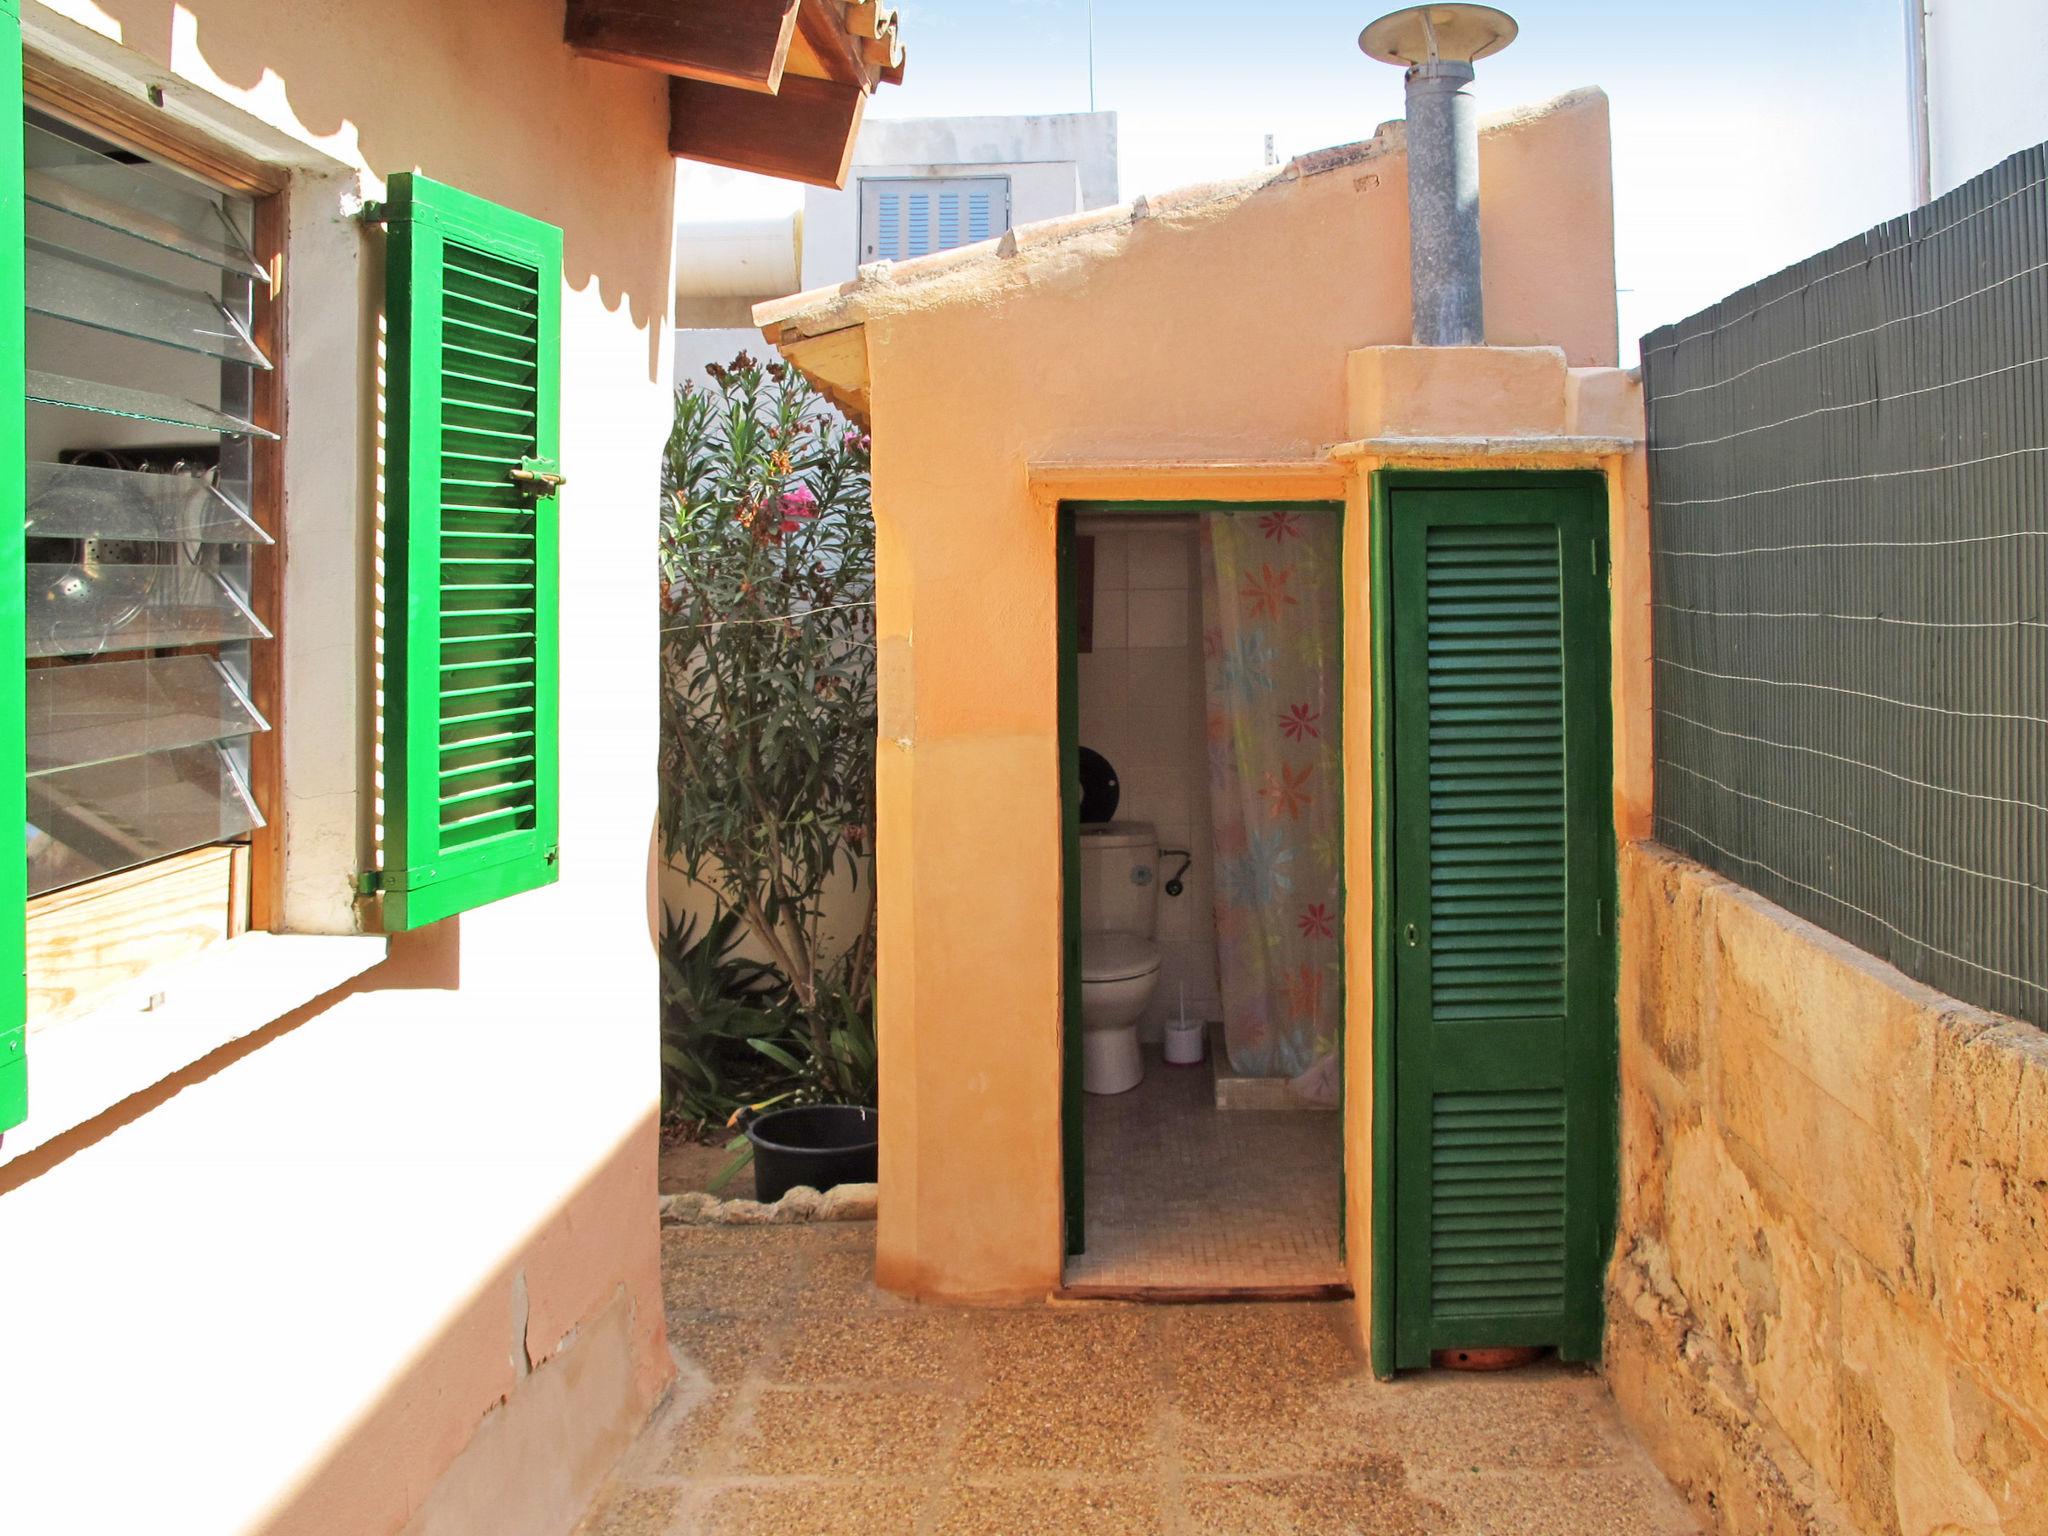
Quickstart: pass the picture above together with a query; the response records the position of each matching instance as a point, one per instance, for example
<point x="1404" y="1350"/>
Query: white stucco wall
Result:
<point x="1987" y="83"/>
<point x="287" y="1290"/>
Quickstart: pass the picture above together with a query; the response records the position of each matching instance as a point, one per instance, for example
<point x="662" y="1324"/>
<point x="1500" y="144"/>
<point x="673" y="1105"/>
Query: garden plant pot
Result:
<point x="816" y="1144"/>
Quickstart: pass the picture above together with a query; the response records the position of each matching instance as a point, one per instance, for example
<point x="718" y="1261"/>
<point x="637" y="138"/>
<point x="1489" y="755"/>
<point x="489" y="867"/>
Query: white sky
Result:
<point x="1747" y="134"/>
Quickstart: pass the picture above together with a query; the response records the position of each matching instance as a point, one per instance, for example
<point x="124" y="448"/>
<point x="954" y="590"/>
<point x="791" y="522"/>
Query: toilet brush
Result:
<point x="1183" y="1037"/>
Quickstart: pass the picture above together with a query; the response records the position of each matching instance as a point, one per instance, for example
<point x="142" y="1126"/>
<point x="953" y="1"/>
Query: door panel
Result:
<point x="1502" y="865"/>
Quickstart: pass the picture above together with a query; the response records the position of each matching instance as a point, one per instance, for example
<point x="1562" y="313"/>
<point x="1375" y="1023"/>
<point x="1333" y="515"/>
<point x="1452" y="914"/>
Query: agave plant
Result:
<point x="714" y="1003"/>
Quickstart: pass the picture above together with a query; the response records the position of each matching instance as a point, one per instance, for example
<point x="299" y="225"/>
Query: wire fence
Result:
<point x="1849" y="525"/>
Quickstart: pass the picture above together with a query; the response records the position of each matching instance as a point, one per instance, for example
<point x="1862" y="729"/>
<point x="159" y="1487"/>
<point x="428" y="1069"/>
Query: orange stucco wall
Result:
<point x="392" y="1264"/>
<point x="1217" y="327"/>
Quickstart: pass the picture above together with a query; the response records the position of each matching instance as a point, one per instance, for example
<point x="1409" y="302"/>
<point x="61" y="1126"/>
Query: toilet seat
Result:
<point x="1117" y="957"/>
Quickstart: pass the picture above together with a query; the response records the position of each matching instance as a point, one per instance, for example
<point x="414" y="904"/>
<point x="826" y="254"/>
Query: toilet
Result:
<point x="1119" y="957"/>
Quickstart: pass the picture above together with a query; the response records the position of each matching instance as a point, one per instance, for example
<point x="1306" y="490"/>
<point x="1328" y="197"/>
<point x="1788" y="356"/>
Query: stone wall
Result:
<point x="1825" y="1310"/>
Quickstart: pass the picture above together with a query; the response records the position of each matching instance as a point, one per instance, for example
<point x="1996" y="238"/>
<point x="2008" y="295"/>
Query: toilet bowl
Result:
<point x="1119" y="973"/>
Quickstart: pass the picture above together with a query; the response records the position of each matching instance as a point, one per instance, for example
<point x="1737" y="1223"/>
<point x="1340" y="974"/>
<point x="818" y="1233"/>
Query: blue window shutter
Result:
<point x="889" y="227"/>
<point x="909" y="216"/>
<point x="920" y="241"/>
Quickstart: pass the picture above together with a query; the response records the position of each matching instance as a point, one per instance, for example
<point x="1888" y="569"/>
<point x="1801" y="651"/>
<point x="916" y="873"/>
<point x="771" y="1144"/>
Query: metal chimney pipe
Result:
<point x="1437" y="44"/>
<point x="1443" y="206"/>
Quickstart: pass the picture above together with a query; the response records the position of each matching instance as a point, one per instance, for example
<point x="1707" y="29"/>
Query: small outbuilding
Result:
<point x="1355" y="634"/>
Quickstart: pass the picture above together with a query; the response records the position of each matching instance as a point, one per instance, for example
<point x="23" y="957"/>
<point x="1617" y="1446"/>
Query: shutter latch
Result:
<point x="539" y="477"/>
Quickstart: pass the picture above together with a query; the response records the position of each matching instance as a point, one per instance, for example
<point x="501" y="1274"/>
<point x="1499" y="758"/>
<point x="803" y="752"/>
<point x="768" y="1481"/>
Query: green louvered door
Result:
<point x="473" y="299"/>
<point x="1503" y="871"/>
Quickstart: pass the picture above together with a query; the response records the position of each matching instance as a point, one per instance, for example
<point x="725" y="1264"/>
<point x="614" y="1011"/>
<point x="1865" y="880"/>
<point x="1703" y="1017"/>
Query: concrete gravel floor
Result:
<point x="810" y="1404"/>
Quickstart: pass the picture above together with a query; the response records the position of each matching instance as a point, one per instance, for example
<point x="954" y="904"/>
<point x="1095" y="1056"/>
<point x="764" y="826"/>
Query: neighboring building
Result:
<point x="1977" y="82"/>
<point x="917" y="186"/>
<point x="328" y="1123"/>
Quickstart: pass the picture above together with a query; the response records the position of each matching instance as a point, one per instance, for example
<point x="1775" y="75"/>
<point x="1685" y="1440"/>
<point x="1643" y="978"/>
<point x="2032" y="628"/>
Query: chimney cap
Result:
<point x="1422" y="33"/>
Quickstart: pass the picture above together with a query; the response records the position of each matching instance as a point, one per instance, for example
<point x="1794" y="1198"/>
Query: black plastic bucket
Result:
<point x="816" y="1144"/>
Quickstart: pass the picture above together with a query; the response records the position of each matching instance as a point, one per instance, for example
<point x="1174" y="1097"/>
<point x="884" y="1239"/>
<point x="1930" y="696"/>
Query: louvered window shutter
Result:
<point x="473" y="301"/>
<point x="14" y="474"/>
<point x="906" y="217"/>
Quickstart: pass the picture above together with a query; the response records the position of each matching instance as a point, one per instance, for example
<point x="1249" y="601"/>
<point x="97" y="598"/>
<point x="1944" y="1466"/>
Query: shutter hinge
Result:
<point x="374" y="213"/>
<point x="369" y="882"/>
<point x="554" y="856"/>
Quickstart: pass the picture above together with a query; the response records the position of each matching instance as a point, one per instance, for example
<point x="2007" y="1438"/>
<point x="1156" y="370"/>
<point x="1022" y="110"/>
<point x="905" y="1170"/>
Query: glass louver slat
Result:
<point x="86" y="501"/>
<point x="91" y="609"/>
<point x="135" y="405"/>
<point x="108" y="816"/>
<point x="101" y="712"/>
<point x="132" y="201"/>
<point x="69" y="285"/>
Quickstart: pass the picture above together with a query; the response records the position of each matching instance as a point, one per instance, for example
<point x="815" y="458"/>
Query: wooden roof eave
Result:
<point x="777" y="87"/>
<point x="836" y="363"/>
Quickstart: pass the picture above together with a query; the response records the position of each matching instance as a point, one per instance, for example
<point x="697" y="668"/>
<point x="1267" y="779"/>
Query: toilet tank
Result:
<point x="1120" y="878"/>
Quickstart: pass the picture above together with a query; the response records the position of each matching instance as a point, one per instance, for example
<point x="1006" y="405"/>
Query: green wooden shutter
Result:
<point x="1503" y="866"/>
<point x="13" y="473"/>
<point x="473" y="304"/>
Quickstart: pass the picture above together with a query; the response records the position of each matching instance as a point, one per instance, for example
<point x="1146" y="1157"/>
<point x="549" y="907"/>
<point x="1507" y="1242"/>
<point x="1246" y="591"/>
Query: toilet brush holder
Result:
<point x="1184" y="1038"/>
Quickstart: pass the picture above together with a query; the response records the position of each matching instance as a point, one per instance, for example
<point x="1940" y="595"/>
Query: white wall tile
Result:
<point x="1157" y="737"/>
<point x="1160" y="675"/>
<point x="1111" y="621"/>
<point x="1159" y="617"/>
<point x="1159" y="561"/>
<point x="1156" y="794"/>
<point x="1103" y="688"/>
<point x="1111" y="562"/>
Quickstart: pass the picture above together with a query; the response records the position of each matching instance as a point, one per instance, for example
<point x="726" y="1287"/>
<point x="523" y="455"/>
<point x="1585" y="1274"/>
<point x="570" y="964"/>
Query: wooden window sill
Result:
<point x="83" y="1066"/>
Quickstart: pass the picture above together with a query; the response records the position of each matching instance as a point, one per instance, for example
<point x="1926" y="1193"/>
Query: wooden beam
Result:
<point x="743" y="44"/>
<point x="805" y="132"/>
<point x="831" y="44"/>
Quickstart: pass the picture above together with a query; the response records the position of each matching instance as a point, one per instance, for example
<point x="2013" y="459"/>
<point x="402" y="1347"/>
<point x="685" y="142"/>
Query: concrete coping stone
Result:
<point x="1483" y="447"/>
<point x="843" y="1202"/>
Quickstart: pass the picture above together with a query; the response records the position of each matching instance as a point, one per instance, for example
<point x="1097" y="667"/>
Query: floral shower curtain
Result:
<point x="1271" y="646"/>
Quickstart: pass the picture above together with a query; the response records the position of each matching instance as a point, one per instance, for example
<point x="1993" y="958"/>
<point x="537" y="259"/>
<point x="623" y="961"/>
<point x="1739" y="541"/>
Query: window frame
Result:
<point x="953" y="176"/>
<point x="74" y="919"/>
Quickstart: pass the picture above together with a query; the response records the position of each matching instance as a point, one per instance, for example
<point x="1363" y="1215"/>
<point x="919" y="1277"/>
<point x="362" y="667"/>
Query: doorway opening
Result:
<point x="1201" y="710"/>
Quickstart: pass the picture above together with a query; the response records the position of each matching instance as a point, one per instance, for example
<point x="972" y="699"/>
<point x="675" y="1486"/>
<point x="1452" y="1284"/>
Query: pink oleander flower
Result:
<point x="797" y="505"/>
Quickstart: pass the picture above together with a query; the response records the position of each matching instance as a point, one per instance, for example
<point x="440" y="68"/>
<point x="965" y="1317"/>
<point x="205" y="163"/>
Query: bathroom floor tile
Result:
<point x="1182" y="1194"/>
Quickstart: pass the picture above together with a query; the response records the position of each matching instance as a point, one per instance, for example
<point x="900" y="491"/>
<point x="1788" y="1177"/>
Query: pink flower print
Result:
<point x="1317" y="922"/>
<point x="1280" y="526"/>
<point x="1287" y="795"/>
<point x="1300" y="721"/>
<point x="1265" y="594"/>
